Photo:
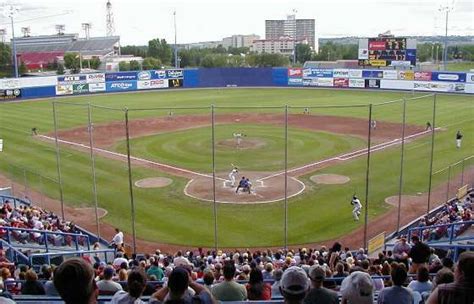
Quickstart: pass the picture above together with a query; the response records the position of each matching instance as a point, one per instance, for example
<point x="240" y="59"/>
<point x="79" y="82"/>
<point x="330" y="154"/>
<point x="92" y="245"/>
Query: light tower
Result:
<point x="26" y="31"/>
<point x="60" y="28"/>
<point x="110" y="20"/>
<point x="87" y="27"/>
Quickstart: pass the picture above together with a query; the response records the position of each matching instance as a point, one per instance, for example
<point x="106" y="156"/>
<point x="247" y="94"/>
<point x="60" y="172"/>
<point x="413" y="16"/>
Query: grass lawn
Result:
<point x="167" y="215"/>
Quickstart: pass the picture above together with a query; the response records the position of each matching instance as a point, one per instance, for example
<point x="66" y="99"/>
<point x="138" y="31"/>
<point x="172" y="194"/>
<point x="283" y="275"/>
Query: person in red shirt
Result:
<point x="256" y="288"/>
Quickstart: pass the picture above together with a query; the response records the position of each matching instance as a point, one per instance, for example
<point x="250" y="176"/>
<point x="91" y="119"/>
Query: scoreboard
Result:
<point x="387" y="51"/>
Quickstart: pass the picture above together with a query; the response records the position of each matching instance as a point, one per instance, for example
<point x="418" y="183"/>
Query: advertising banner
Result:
<point x="64" y="89"/>
<point x="316" y="73"/>
<point x="80" y="88"/>
<point x="144" y="75"/>
<point x="295" y="72"/>
<point x="12" y="83"/>
<point x="453" y="77"/>
<point x="295" y="81"/>
<point x="120" y="86"/>
<point x="152" y="84"/>
<point x="372" y="73"/>
<point x="72" y="79"/>
<point x="308" y="82"/>
<point x="378" y="62"/>
<point x="10" y="94"/>
<point x="340" y="73"/>
<point x="341" y="82"/>
<point x="410" y="55"/>
<point x="390" y="74"/>
<point x="175" y="83"/>
<point x="97" y="87"/>
<point x="158" y="74"/>
<point x="396" y="84"/>
<point x="372" y="83"/>
<point x="470" y="77"/>
<point x="400" y="64"/>
<point x="406" y="75"/>
<point x="172" y="74"/>
<point x="325" y="82"/>
<point x="469" y="88"/>
<point x="120" y="76"/>
<point x="355" y="73"/>
<point x="376" y="45"/>
<point x="439" y="86"/>
<point x="32" y="82"/>
<point x="356" y="83"/>
<point x="95" y="78"/>
<point x="426" y="76"/>
<point x="363" y="54"/>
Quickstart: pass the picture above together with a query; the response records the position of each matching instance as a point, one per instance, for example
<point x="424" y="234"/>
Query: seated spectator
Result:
<point x="319" y="294"/>
<point x="422" y="282"/>
<point x="357" y="288"/>
<point x="119" y="259"/>
<point x="462" y="289"/>
<point x="32" y="286"/>
<point x="74" y="280"/>
<point x="136" y="284"/>
<point x="397" y="294"/>
<point x="378" y="282"/>
<point x="176" y="290"/>
<point x="106" y="285"/>
<point x="229" y="290"/>
<point x="256" y="288"/>
<point x="444" y="276"/>
<point x="294" y="285"/>
<point x="276" y="284"/>
<point x="156" y="270"/>
<point x="268" y="271"/>
<point x="208" y="280"/>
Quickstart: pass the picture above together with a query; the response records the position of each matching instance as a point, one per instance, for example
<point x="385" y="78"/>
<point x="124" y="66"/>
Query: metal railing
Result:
<point x="105" y="254"/>
<point x="450" y="232"/>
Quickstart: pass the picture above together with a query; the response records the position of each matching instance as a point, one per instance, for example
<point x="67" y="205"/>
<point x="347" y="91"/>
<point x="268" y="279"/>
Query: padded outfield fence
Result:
<point x="346" y="140"/>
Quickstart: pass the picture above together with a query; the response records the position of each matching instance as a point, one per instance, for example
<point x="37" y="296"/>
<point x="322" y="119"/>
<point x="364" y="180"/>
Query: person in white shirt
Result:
<point x="117" y="240"/>
<point x="357" y="207"/>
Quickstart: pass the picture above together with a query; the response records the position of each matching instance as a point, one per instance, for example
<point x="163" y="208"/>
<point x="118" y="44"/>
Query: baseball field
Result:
<point x="171" y="137"/>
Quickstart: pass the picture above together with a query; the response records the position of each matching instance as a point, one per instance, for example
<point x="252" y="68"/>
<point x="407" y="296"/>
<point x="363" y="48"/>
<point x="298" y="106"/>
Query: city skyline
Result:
<point x="139" y="21"/>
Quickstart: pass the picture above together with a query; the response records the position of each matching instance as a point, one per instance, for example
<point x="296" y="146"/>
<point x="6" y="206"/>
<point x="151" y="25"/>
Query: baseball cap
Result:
<point x="358" y="287"/>
<point x="317" y="273"/>
<point x="294" y="281"/>
<point x="178" y="280"/>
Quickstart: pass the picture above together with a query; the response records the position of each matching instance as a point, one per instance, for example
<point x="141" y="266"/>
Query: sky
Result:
<point x="138" y="21"/>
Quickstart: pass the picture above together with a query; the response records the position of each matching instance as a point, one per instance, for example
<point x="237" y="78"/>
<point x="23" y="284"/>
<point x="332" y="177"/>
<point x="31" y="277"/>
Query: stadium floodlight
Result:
<point x="445" y="9"/>
<point x="10" y="12"/>
<point x="60" y="28"/>
<point x="87" y="27"/>
<point x="176" y="62"/>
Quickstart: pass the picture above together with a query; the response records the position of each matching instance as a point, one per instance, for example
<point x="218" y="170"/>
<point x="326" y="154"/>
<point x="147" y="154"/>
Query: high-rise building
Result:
<point x="298" y="29"/>
<point x="239" y="40"/>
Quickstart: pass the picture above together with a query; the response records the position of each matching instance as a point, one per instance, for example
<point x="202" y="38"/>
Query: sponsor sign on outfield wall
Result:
<point x="32" y="82"/>
<point x="10" y="94"/>
<point x="80" y="88"/>
<point x="396" y="84"/>
<point x="341" y="82"/>
<point x="295" y="72"/>
<point x="12" y="83"/>
<point x="64" y="89"/>
<point x="470" y="77"/>
<point x="175" y="83"/>
<point x="121" y="76"/>
<point x="453" y="77"/>
<point x="95" y="78"/>
<point x="325" y="82"/>
<point x="406" y="75"/>
<point x="390" y="74"/>
<point x="152" y="84"/>
<point x="295" y="81"/>
<point x="340" y="73"/>
<point x="378" y="62"/>
<point x="172" y="74"/>
<point x="97" y="87"/>
<point x="439" y="86"/>
<point x="363" y="54"/>
<point x="144" y="75"/>
<point x="355" y="73"/>
<point x="316" y="73"/>
<point x="372" y="73"/>
<point x="120" y="86"/>
<point x="469" y="88"/>
<point x="426" y="76"/>
<point x="72" y="79"/>
<point x="356" y="83"/>
<point x="372" y="83"/>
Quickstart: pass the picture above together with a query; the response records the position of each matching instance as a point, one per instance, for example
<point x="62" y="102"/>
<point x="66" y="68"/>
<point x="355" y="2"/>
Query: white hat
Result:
<point x="294" y="281"/>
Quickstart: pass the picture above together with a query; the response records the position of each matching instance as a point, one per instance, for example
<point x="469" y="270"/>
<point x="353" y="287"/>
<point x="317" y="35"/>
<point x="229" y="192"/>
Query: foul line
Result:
<point x="350" y="155"/>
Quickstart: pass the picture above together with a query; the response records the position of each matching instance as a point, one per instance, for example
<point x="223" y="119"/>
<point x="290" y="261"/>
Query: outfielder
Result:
<point x="458" y="139"/>
<point x="232" y="175"/>
<point x="357" y="207"/>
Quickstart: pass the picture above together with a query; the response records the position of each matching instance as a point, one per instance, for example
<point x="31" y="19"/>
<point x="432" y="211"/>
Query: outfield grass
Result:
<point x="166" y="215"/>
<point x="460" y="66"/>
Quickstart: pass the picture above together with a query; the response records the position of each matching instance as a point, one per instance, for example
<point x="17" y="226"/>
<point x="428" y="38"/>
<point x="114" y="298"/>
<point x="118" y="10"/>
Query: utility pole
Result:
<point x="176" y="63"/>
<point x="11" y="14"/>
<point x="445" y="9"/>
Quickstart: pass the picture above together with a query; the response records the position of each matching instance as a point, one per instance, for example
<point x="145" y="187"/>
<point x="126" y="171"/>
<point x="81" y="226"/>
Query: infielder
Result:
<point x="357" y="207"/>
<point x="373" y="124"/>
<point x="232" y="175"/>
<point x="458" y="139"/>
<point x="238" y="138"/>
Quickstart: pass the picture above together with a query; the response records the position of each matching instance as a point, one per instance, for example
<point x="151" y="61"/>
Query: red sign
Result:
<point x="377" y="45"/>
<point x="341" y="82"/>
<point x="423" y="76"/>
<point x="297" y="72"/>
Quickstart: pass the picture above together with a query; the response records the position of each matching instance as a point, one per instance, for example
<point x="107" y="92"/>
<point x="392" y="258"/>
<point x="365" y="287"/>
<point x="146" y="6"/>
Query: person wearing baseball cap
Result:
<point x="319" y="294"/>
<point x="294" y="285"/>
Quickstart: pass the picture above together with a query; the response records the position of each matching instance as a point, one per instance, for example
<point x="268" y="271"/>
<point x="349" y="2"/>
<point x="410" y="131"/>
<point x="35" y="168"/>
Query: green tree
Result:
<point x="22" y="69"/>
<point x="5" y="55"/>
<point x="151" y="63"/>
<point x="134" y="65"/>
<point x="138" y="51"/>
<point x="94" y="63"/>
<point x="268" y="60"/>
<point x="72" y="62"/>
<point x="303" y="53"/>
<point x="124" y="66"/>
<point x="160" y="49"/>
<point x="60" y="70"/>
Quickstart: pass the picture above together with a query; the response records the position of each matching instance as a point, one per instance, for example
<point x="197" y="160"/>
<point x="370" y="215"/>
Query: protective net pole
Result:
<point x="286" y="178"/>
<point x="213" y="138"/>
<point x="367" y="174"/>
<point x="58" y="161"/>
<point x="130" y="182"/>
<point x="94" y="182"/>
<point x="462" y="172"/>
<point x="432" y="154"/>
<point x="449" y="182"/>
<point x="402" y="154"/>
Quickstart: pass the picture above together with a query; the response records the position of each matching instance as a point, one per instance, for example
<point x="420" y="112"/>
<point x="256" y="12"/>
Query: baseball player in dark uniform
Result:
<point x="458" y="139"/>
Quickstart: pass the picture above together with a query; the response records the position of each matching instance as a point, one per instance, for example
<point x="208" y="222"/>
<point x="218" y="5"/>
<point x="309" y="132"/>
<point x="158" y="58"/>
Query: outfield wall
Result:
<point x="64" y="85"/>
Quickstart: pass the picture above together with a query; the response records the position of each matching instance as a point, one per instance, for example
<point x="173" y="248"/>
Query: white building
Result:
<point x="238" y="41"/>
<point x="283" y="45"/>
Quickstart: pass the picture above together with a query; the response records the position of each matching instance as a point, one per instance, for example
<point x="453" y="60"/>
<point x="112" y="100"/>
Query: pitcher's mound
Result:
<point x="330" y="179"/>
<point x="406" y="200"/>
<point x="247" y="143"/>
<point x="153" y="182"/>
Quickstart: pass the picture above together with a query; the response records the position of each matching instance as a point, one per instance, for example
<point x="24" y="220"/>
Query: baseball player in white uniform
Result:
<point x="238" y="138"/>
<point x="357" y="207"/>
<point x="232" y="175"/>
